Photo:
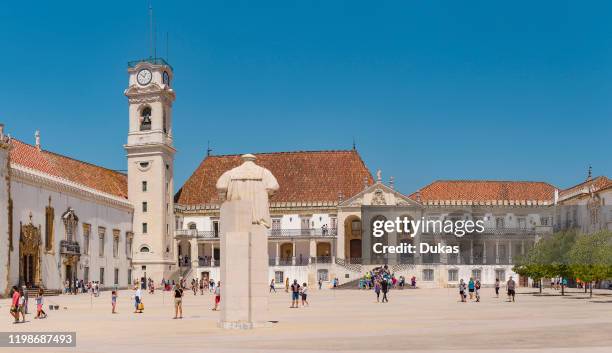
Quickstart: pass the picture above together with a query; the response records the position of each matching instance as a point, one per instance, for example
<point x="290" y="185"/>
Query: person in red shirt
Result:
<point x="15" y="304"/>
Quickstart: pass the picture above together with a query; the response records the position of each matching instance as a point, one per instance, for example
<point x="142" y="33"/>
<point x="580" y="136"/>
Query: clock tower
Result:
<point x="150" y="158"/>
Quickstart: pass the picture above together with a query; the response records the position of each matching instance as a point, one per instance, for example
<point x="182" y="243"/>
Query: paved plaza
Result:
<point x="337" y="320"/>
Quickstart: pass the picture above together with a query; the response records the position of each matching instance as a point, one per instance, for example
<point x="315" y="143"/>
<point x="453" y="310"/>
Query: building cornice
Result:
<point x="37" y="178"/>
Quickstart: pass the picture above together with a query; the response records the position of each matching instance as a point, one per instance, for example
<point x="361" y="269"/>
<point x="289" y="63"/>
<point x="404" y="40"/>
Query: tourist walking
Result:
<point x="320" y="284"/>
<point x="384" y="286"/>
<point x="15" y="304"/>
<point x="40" y="313"/>
<point x="287" y="285"/>
<point x="272" y="286"/>
<point x="178" y="302"/>
<point x="377" y="289"/>
<point x="201" y="286"/>
<point x="304" y="294"/>
<point x="138" y="306"/>
<point x="477" y="290"/>
<point x="114" y="301"/>
<point x="471" y="288"/>
<point x="511" y="285"/>
<point x="295" y="294"/>
<point x="217" y="296"/>
<point x="497" y="285"/>
<point x="462" y="291"/>
<point x="21" y="307"/>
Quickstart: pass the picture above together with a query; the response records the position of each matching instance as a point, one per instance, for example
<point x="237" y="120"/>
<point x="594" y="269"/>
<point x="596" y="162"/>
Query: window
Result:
<point x="128" y="244"/>
<point x="101" y="235"/>
<point x="476" y="274"/>
<point x="49" y="214"/>
<point x="70" y="224"/>
<point x="192" y="226"/>
<point x="144" y="186"/>
<point x="116" y="282"/>
<point x="144" y="249"/>
<point x="215" y="225"/>
<point x="453" y="275"/>
<point x="278" y="277"/>
<point x="500" y="275"/>
<point x="323" y="275"/>
<point x="544" y="220"/>
<point x="86" y="234"/>
<point x="86" y="274"/>
<point x="116" y="234"/>
<point x="145" y="119"/>
<point x="305" y="222"/>
<point x="144" y="206"/>
<point x="428" y="274"/>
<point x="144" y="228"/>
<point x="129" y="276"/>
<point x="276" y="223"/>
<point x="522" y="222"/>
<point x="356" y="227"/>
<point x="101" y="275"/>
<point x="499" y="222"/>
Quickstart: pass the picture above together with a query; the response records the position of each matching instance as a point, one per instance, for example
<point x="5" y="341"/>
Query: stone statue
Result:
<point x="244" y="217"/>
<point x="252" y="183"/>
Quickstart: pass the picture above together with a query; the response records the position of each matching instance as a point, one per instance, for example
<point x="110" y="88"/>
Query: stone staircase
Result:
<point x="33" y="292"/>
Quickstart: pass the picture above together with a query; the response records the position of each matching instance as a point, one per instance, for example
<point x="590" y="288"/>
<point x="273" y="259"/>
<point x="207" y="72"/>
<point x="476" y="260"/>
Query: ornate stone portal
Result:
<point x="29" y="255"/>
<point x="244" y="244"/>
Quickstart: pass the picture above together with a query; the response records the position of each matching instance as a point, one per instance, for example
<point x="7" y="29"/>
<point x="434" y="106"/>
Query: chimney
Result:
<point x="37" y="138"/>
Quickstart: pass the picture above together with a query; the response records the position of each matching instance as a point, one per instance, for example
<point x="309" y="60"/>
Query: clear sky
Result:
<point x="429" y="90"/>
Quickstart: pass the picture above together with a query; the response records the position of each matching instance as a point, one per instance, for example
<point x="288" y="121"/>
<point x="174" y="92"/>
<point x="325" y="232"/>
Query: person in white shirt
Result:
<point x="304" y="294"/>
<point x="137" y="299"/>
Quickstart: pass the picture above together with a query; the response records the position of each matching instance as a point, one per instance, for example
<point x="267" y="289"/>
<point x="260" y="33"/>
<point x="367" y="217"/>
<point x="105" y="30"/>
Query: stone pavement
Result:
<point x="419" y="320"/>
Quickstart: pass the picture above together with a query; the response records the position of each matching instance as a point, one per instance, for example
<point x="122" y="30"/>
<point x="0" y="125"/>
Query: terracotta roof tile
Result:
<point x="486" y="190"/>
<point x="95" y="177"/>
<point x="598" y="183"/>
<point x="302" y="176"/>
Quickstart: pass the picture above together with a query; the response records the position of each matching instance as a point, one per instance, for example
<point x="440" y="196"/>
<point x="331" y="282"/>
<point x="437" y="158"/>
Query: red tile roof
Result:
<point x="95" y="177"/>
<point x="486" y="190"/>
<point x="303" y="176"/>
<point x="598" y="183"/>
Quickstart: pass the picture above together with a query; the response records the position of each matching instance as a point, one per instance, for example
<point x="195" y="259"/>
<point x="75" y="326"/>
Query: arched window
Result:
<point x="144" y="249"/>
<point x="145" y="118"/>
<point x="192" y="226"/>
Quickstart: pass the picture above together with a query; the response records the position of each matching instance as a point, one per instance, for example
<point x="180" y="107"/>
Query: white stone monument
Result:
<point x="244" y="220"/>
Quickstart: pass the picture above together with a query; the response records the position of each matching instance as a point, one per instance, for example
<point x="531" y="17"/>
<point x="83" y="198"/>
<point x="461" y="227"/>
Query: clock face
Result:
<point x="144" y="77"/>
<point x="166" y="78"/>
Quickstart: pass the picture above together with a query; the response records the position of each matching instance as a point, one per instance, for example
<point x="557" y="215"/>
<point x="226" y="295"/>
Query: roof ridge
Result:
<point x="284" y="152"/>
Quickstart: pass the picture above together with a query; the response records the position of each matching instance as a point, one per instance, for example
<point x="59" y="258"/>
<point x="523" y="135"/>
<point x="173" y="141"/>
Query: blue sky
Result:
<point x="428" y="89"/>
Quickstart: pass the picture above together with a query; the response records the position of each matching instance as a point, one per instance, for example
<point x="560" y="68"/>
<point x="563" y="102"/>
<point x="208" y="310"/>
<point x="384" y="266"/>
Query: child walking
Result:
<point x="40" y="313"/>
<point x="114" y="301"/>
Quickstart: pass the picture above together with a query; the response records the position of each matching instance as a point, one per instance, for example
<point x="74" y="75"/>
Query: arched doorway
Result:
<point x="286" y="253"/>
<point x="352" y="239"/>
<point x="29" y="255"/>
<point x="184" y="253"/>
<point x="323" y="249"/>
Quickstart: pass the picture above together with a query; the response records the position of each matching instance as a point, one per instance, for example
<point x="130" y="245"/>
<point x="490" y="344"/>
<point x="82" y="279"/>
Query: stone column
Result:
<point x="194" y="252"/>
<point x="496" y="251"/>
<point x="277" y="254"/>
<point x="471" y="252"/>
<point x="510" y="251"/>
<point x="293" y="252"/>
<point x="313" y="250"/>
<point x="484" y="251"/>
<point x="212" y="254"/>
<point x="444" y="255"/>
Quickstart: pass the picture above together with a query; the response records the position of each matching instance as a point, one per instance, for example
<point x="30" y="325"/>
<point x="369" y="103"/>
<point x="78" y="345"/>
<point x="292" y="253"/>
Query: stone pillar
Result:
<point x="293" y="252"/>
<point x="313" y="250"/>
<point x="496" y="251"/>
<point x="193" y="242"/>
<point x="471" y="252"/>
<point x="244" y="268"/>
<point x="443" y="256"/>
<point x="212" y="254"/>
<point x="484" y="252"/>
<point x="510" y="251"/>
<point x="277" y="259"/>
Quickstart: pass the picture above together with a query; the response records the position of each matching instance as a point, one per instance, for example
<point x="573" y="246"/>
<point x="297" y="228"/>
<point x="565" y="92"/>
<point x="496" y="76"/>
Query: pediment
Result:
<point x="379" y="194"/>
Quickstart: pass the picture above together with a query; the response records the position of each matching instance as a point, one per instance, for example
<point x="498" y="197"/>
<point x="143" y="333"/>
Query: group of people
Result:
<point x="298" y="292"/>
<point x="368" y="281"/>
<point x="472" y="288"/>
<point x="19" y="304"/>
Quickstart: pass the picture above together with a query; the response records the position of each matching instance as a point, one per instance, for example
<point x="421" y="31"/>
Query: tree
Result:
<point x="591" y="257"/>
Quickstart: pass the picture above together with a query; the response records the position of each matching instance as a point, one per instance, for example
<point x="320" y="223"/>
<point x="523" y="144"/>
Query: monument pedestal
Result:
<point x="244" y="268"/>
